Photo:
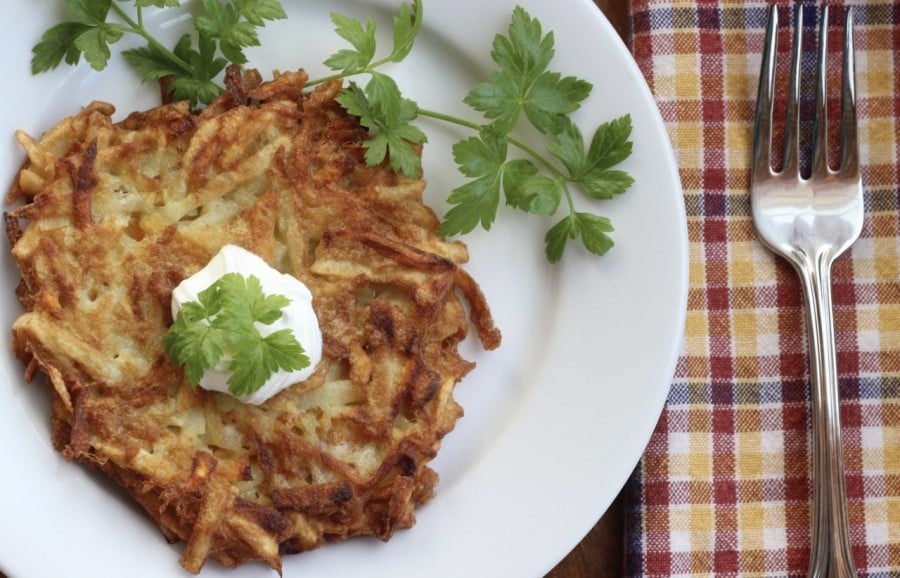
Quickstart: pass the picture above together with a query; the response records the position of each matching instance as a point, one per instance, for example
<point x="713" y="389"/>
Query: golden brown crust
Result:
<point x="111" y="216"/>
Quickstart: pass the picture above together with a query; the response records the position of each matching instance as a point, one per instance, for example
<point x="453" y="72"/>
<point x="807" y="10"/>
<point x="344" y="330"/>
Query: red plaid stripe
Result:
<point x="723" y="488"/>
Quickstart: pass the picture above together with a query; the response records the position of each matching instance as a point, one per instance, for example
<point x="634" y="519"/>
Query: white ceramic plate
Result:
<point x="556" y="419"/>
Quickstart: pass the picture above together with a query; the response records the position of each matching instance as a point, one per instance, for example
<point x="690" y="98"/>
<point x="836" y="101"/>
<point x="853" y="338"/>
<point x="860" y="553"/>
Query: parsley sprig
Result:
<point x="380" y="106"/>
<point x="222" y="30"/>
<point x="522" y="92"/>
<point x="221" y="326"/>
<point x="522" y="95"/>
<point x="523" y="86"/>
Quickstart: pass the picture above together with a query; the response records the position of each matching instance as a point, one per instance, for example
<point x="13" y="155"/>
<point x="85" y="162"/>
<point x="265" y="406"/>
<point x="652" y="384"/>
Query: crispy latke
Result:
<point x="110" y="217"/>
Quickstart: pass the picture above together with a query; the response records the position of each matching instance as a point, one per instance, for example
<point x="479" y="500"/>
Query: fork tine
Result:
<point x="792" y="124"/>
<point x="849" y="140"/>
<point x="762" y="134"/>
<point x="820" y="138"/>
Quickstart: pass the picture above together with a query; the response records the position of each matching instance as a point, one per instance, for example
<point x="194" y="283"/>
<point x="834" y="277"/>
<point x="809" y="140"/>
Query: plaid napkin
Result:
<point x="724" y="486"/>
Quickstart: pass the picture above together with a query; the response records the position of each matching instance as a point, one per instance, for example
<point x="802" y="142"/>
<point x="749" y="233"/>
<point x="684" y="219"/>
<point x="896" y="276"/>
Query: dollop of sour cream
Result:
<point x="298" y="316"/>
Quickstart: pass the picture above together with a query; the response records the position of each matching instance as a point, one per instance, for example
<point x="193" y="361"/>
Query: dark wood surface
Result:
<point x="602" y="552"/>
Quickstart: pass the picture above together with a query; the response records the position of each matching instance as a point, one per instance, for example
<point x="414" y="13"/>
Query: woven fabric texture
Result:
<point x="724" y="486"/>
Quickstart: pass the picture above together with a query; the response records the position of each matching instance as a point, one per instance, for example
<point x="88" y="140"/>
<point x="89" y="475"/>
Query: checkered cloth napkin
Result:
<point x="724" y="486"/>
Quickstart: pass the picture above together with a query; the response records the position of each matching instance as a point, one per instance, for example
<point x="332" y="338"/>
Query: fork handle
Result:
<point x="831" y="553"/>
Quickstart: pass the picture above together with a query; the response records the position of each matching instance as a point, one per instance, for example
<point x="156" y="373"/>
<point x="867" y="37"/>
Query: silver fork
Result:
<point x="809" y="222"/>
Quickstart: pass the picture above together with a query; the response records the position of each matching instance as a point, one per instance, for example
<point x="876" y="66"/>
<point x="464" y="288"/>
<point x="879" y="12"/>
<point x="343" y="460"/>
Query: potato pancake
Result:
<point x="110" y="216"/>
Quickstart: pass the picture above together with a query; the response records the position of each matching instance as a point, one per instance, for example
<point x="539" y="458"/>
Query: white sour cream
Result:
<point x="298" y="316"/>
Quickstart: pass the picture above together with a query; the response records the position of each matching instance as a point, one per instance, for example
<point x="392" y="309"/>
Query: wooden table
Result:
<point x="602" y="552"/>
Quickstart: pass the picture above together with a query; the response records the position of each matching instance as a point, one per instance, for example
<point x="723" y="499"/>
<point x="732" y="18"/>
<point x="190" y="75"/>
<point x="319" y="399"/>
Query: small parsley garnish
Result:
<point x="222" y="30"/>
<point x="220" y="326"/>
<point x="522" y="93"/>
<point x="387" y="115"/>
<point x="379" y="105"/>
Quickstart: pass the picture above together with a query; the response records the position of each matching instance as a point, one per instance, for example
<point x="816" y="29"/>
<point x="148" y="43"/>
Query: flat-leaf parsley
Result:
<point x="221" y="327"/>
<point x="223" y="30"/>
<point x="521" y="92"/>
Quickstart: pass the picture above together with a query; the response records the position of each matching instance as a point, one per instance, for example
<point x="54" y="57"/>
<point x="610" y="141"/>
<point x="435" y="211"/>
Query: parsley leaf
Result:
<point x="361" y="58"/>
<point x="256" y="12"/>
<point x="222" y="326"/>
<point x="197" y="84"/>
<point x="224" y="24"/>
<point x="387" y="115"/>
<point x="56" y="44"/>
<point x="361" y="37"/>
<point x="481" y="158"/>
<point x="530" y="191"/>
<point x="522" y="84"/>
<point x="222" y="29"/>
<point x="244" y="297"/>
<point x="592" y="229"/>
<point x="610" y="145"/>
<point x="500" y="100"/>
<point x="94" y="43"/>
<point x="484" y="159"/>
<point x="526" y="51"/>
<point x="157" y="3"/>
<point x="551" y="97"/>
<point x="88" y="34"/>
<point x="234" y="24"/>
<point x="151" y="64"/>
<point x="256" y="359"/>
<point x="558" y="237"/>
<point x="406" y="27"/>
<point x="90" y="12"/>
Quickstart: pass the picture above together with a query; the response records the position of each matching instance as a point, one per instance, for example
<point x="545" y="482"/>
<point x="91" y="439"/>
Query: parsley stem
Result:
<point x="569" y="199"/>
<point x="449" y="118"/>
<point x="370" y="69"/>
<point x="138" y="28"/>
<point x="330" y="77"/>
<point x="511" y="140"/>
<point x="381" y="62"/>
